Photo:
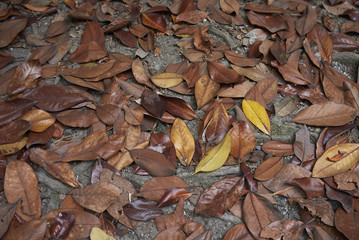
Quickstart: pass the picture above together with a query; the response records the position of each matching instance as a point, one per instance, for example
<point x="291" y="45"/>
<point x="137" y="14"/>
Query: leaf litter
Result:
<point x="138" y="120"/>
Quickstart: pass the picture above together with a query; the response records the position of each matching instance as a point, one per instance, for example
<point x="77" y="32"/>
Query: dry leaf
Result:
<point x="40" y="120"/>
<point x="257" y="114"/>
<point x="167" y="80"/>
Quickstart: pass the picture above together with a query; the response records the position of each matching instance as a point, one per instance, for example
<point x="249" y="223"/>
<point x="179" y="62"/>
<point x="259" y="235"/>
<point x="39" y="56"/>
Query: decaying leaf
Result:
<point x="257" y="114"/>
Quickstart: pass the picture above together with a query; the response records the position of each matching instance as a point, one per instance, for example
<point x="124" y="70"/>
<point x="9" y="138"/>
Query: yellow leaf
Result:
<point x="11" y="148"/>
<point x="40" y="119"/>
<point x="216" y="157"/>
<point x="183" y="141"/>
<point x="257" y="114"/>
<point x="167" y="80"/>
<point x="325" y="167"/>
<point x="98" y="234"/>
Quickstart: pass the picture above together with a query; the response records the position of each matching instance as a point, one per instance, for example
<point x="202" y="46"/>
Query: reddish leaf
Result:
<point x="93" y="32"/>
<point x="302" y="146"/>
<point x="220" y="196"/>
<point x="77" y="118"/>
<point x="13" y="131"/>
<point x="87" y="52"/>
<point x="5" y="59"/>
<point x="243" y="140"/>
<point x="25" y="76"/>
<point x="142" y="210"/>
<point x="272" y="23"/>
<point x="313" y="187"/>
<point x="154" y="20"/>
<point x="345" y="222"/>
<point x="238" y="231"/>
<point x="179" y="107"/>
<point x="126" y="38"/>
<point x="289" y="229"/>
<point x="304" y="24"/>
<point x="152" y="103"/>
<point x="62" y="224"/>
<point x="173" y="195"/>
<point x="344" y="198"/>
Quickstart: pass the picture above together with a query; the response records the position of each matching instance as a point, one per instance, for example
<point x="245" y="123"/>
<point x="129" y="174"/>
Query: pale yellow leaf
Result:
<point x="183" y="141"/>
<point x="167" y="80"/>
<point x="348" y="154"/>
<point x="216" y="157"/>
<point x="257" y="114"/>
<point x="98" y="234"/>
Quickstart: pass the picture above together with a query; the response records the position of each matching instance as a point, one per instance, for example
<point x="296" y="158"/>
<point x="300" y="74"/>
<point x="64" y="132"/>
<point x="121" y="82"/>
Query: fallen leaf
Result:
<point x="77" y="118"/>
<point x="205" y="90"/>
<point x="173" y="195"/>
<point x="257" y="115"/>
<point x="239" y="231"/>
<point x="167" y="80"/>
<point x="216" y="157"/>
<point x="345" y="222"/>
<point x="326" y="114"/>
<point x="221" y="74"/>
<point x="218" y="126"/>
<point x="58" y="28"/>
<point x="142" y="210"/>
<point x="154" y="188"/>
<point x="40" y="120"/>
<point x="11" y="148"/>
<point x="97" y="197"/>
<point x="59" y="170"/>
<point x="10" y="29"/>
<point x="88" y="52"/>
<point x="268" y="169"/>
<point x="152" y="103"/>
<point x="326" y="168"/>
<point x="98" y="234"/>
<point x="14" y="131"/>
<point x="154" y="20"/>
<point x="220" y="197"/>
<point x="179" y="108"/>
<point x="272" y="23"/>
<point x="319" y="207"/>
<point x="140" y="72"/>
<point x="183" y="141"/>
<point x="62" y="224"/>
<point x="302" y="146"/>
<point x="286" y="230"/>
<point x="7" y="212"/>
<point x="33" y="229"/>
<point x="306" y="23"/>
<point x="243" y="139"/>
<point x="153" y="162"/>
<point x="255" y="215"/>
<point x="21" y="183"/>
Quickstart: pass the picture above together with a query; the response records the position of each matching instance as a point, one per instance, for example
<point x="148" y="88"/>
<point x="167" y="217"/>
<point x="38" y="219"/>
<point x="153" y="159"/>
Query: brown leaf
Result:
<point x="345" y="222"/>
<point x="239" y="231"/>
<point x="33" y="229"/>
<point x="179" y="108"/>
<point x="176" y="218"/>
<point x="243" y="139"/>
<point x="140" y="73"/>
<point x="261" y="71"/>
<point x="220" y="196"/>
<point x="5" y="59"/>
<point x="154" y="20"/>
<point x="97" y="197"/>
<point x="313" y="187"/>
<point x="239" y="60"/>
<point x="286" y="106"/>
<point x="94" y="71"/>
<point x="58" y="28"/>
<point x="319" y="207"/>
<point x="13" y="131"/>
<point x="205" y="90"/>
<point x="173" y="195"/>
<point x="320" y="35"/>
<point x="224" y="18"/>
<point x="94" y="146"/>
<point x="25" y="76"/>
<point x="11" y="148"/>
<point x="255" y="215"/>
<point x="279" y="182"/>
<point x="54" y="98"/>
<point x="126" y="37"/>
<point x="77" y="118"/>
<point x="87" y="52"/>
<point x="59" y="170"/>
<point x="236" y="91"/>
<point x="192" y="17"/>
<point x="142" y="210"/>
<point x="7" y="212"/>
<point x="343" y="42"/>
<point x="306" y="23"/>
<point x="326" y="114"/>
<point x="172" y="233"/>
<point x="344" y="198"/>
<point x="268" y="169"/>
<point x="221" y="74"/>
<point x="153" y="162"/>
<point x="108" y="113"/>
<point x="350" y="27"/>
<point x="152" y="103"/>
<point x="290" y="74"/>
<point x="278" y="148"/>
<point x="10" y="29"/>
<point x="229" y="6"/>
<point x="155" y="188"/>
<point x="93" y="32"/>
<point x="21" y="182"/>
<point x="272" y="23"/>
<point x="286" y="230"/>
<point x="84" y="222"/>
<point x="263" y="8"/>
<point x="13" y="109"/>
<point x="62" y="225"/>
<point x="302" y="146"/>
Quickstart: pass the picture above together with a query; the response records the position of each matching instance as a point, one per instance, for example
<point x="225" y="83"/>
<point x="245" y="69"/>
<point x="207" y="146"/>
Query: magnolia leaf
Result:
<point x="348" y="154"/>
<point x="257" y="114"/>
<point x="216" y="157"/>
<point x="183" y="141"/>
<point x="167" y="80"/>
<point x="40" y="119"/>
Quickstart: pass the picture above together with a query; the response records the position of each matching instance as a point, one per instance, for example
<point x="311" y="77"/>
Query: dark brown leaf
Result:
<point x="304" y="24"/>
<point x="154" y="20"/>
<point x="25" y="76"/>
<point x="153" y="162"/>
<point x="173" y="195"/>
<point x="344" y="198"/>
<point x="313" y="187"/>
<point x="272" y="23"/>
<point x="10" y="29"/>
<point x="286" y="230"/>
<point x="54" y="98"/>
<point x="220" y="196"/>
<point x="343" y="42"/>
<point x="127" y="38"/>
<point x="88" y="52"/>
<point x="142" y="210"/>
<point x="153" y="103"/>
<point x="319" y="207"/>
<point x="7" y="212"/>
<point x="77" y="118"/>
<point x="13" y="131"/>
<point x="58" y="28"/>
<point x="62" y="224"/>
<point x="5" y="59"/>
<point x="179" y="107"/>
